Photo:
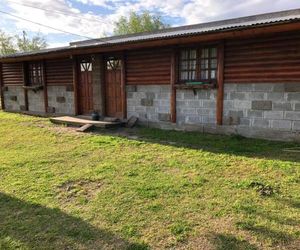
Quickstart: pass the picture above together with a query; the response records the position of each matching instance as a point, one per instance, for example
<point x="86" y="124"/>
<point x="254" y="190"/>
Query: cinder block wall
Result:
<point x="14" y="98"/>
<point x="270" y="111"/>
<point x="263" y="110"/>
<point x="196" y="108"/>
<point x="36" y="101"/>
<point x="61" y="99"/>
<point x="149" y="103"/>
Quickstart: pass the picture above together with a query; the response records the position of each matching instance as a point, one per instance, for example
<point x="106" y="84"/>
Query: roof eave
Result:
<point x="234" y="32"/>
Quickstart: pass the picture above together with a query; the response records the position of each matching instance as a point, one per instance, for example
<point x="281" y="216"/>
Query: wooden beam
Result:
<point x="243" y="32"/>
<point x="1" y="89"/>
<point x="75" y="84"/>
<point x="220" y="82"/>
<point x="173" y="88"/>
<point x="25" y="84"/>
<point x="123" y="86"/>
<point x="45" y="86"/>
<point x="102" y="82"/>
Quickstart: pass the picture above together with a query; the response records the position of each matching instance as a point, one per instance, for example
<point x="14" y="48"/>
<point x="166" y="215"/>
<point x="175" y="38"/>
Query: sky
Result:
<point x="95" y="18"/>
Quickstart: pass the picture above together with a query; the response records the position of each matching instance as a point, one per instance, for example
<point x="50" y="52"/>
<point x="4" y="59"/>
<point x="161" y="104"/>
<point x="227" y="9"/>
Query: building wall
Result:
<point x="148" y="66"/>
<point x="197" y="107"/>
<point x="14" y="98"/>
<point x="270" y="111"/>
<point x="36" y="101"/>
<point x="151" y="104"/>
<point x="97" y="88"/>
<point x="263" y="110"/>
<point x="266" y="59"/>
<point x="61" y="99"/>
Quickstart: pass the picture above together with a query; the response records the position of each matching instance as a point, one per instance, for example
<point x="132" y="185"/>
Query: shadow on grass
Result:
<point x="233" y="145"/>
<point x="278" y="235"/>
<point x="33" y="226"/>
<point x="230" y="242"/>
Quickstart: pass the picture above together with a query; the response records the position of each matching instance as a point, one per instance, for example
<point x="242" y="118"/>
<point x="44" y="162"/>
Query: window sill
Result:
<point x="196" y="86"/>
<point x="34" y="88"/>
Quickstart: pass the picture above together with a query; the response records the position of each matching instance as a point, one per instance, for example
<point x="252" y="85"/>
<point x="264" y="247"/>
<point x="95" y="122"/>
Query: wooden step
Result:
<point x="75" y="121"/>
<point x="85" y="128"/>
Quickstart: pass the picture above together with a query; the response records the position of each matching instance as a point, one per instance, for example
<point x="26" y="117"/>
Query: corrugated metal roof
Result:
<point x="42" y="51"/>
<point x="269" y="18"/>
<point x="217" y="26"/>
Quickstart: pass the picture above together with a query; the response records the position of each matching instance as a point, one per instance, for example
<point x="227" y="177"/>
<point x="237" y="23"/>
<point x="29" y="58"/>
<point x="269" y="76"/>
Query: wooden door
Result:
<point x="85" y="89"/>
<point x="113" y="91"/>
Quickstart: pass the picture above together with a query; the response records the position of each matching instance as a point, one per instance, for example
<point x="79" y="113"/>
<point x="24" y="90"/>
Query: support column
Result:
<point x="25" y="84"/>
<point x="173" y="88"/>
<point x="123" y="85"/>
<point x="45" y="87"/>
<point x="103" y="89"/>
<point x="220" y="79"/>
<point x="75" y="84"/>
<point x="1" y="89"/>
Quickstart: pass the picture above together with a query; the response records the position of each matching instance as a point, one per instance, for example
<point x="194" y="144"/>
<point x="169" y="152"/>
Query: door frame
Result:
<point x="122" y="58"/>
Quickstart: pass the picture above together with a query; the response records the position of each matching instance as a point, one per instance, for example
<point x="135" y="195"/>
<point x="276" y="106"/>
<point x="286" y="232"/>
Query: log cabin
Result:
<point x="237" y="76"/>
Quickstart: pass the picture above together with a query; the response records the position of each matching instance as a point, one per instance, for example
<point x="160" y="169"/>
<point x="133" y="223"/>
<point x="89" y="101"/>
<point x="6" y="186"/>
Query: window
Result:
<point x="198" y="64"/>
<point x="35" y="75"/>
<point x="85" y="66"/>
<point x="113" y="64"/>
<point x="188" y="62"/>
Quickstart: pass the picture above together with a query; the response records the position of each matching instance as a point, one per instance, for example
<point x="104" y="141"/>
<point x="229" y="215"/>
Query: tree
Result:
<point x="136" y="23"/>
<point x="24" y="43"/>
<point x="10" y="44"/>
<point x="6" y="44"/>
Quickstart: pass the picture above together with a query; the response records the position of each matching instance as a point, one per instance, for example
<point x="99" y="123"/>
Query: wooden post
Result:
<point x="173" y="88"/>
<point x="25" y="84"/>
<point x="75" y="84"/>
<point x="102" y="82"/>
<point x="1" y="89"/>
<point x="220" y="79"/>
<point x="45" y="86"/>
<point x="123" y="85"/>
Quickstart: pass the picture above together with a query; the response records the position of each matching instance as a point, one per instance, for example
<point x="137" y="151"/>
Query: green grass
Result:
<point x="167" y="189"/>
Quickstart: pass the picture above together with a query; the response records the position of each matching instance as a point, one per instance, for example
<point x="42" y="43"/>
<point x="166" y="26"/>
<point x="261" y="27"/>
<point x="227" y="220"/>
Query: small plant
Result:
<point x="263" y="189"/>
<point x="180" y="230"/>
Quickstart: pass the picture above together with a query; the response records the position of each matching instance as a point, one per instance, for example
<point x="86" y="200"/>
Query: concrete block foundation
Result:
<point x="61" y="100"/>
<point x="269" y="111"/>
<point x="14" y="98"/>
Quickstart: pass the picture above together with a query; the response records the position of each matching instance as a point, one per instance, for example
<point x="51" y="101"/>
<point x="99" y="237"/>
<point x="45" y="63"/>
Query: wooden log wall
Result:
<point x="59" y="72"/>
<point x="12" y="73"/>
<point x="148" y="67"/>
<point x="263" y="60"/>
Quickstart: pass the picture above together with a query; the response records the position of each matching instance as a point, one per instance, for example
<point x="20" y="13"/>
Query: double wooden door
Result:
<point x="113" y="95"/>
<point x="85" y="87"/>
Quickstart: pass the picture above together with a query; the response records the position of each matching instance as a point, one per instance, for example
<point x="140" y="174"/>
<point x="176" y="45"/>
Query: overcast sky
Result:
<point x="93" y="18"/>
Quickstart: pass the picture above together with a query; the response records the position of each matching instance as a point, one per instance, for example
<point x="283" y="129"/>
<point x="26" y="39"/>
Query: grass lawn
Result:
<point x="154" y="190"/>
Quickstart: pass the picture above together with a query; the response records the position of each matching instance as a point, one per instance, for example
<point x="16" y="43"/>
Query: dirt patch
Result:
<point x="79" y="191"/>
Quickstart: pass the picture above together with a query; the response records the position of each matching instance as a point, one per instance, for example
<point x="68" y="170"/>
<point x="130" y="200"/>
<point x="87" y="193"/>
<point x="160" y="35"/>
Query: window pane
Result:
<point x="192" y="75"/>
<point x="213" y="63"/>
<point x="184" y="54"/>
<point x="204" y="53"/>
<point x="213" y="52"/>
<point x="204" y="74"/>
<point x="213" y="74"/>
<point x="193" y="54"/>
<point x="204" y="64"/>
<point x="192" y="65"/>
<point x="183" y="75"/>
<point x="184" y="65"/>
